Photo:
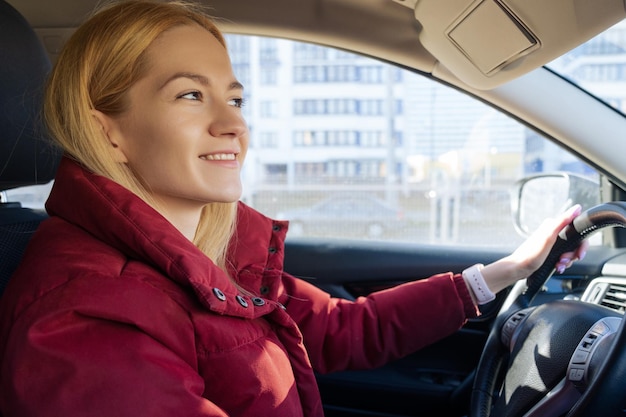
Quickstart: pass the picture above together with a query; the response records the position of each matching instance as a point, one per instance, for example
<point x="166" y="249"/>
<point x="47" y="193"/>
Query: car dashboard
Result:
<point x="609" y="289"/>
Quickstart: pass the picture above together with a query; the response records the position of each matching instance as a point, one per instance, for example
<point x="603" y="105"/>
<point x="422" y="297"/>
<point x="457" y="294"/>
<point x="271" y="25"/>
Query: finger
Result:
<point x="582" y="250"/>
<point x="563" y="263"/>
<point x="570" y="214"/>
<point x="567" y="259"/>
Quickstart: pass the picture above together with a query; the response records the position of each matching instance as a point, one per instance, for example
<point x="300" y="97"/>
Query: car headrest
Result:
<point x="26" y="156"/>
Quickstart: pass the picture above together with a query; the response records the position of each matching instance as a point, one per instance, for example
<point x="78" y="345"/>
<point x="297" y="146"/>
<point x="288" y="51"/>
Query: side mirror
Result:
<point x="546" y="195"/>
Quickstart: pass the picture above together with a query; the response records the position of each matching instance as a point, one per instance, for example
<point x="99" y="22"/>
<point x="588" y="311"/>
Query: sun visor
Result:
<point x="486" y="43"/>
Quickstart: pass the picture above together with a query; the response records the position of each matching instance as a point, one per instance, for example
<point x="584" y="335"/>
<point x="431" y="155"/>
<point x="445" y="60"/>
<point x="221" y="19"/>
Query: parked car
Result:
<point x="351" y="216"/>
<point x="441" y="109"/>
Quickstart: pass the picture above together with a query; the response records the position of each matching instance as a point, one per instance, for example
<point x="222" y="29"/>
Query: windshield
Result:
<point x="598" y="66"/>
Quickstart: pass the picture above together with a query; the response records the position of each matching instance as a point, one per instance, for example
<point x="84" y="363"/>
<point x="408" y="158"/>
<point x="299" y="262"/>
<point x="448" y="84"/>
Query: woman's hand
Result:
<point x="531" y="254"/>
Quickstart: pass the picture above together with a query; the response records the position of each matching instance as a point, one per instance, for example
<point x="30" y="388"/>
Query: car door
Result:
<point x="436" y="380"/>
<point x="328" y="125"/>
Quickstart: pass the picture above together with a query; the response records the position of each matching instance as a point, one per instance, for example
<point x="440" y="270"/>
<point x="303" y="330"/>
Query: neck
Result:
<point x="185" y="217"/>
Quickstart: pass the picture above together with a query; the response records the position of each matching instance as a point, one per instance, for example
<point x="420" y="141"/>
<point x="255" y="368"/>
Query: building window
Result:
<point x="269" y="109"/>
<point x="268" y="51"/>
<point x="269" y="139"/>
<point x="398" y="107"/>
<point x="309" y="74"/>
<point x="372" y="139"/>
<point x="275" y="173"/>
<point x="371" y="107"/>
<point x="268" y="75"/>
<point x="325" y="138"/>
<point x="307" y="52"/>
<point x="341" y="73"/>
<point x="239" y="48"/>
<point x="602" y="72"/>
<point x="242" y="72"/>
<point x="372" y="75"/>
<point x="309" y="171"/>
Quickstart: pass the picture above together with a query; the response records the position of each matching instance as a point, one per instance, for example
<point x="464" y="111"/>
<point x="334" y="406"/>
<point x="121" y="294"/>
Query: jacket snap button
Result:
<point x="219" y="294"/>
<point x="276" y="228"/>
<point x="242" y="301"/>
<point x="257" y="301"/>
<point x="265" y="290"/>
<point x="273" y="250"/>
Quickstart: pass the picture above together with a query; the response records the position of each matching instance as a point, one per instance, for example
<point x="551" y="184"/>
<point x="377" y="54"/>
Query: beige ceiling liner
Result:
<point x="486" y="43"/>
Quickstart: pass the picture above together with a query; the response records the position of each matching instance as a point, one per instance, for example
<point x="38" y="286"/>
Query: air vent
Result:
<point x="608" y="292"/>
<point x="615" y="297"/>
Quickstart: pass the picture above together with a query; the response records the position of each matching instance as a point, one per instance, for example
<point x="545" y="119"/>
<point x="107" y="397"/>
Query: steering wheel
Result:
<point x="554" y="359"/>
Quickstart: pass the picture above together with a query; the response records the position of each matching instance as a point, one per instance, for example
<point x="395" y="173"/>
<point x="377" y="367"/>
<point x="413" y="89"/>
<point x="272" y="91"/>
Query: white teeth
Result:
<point x="219" y="157"/>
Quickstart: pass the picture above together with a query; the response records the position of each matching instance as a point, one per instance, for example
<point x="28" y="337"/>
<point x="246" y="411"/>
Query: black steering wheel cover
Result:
<point x="490" y="367"/>
<point x="589" y="222"/>
<point x="488" y="374"/>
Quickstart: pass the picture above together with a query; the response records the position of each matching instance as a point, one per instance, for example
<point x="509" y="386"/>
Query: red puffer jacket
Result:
<point x="115" y="313"/>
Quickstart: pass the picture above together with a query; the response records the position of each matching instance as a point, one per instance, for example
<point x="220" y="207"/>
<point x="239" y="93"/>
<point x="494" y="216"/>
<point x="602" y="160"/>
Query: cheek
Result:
<point x="151" y="138"/>
<point x="144" y="152"/>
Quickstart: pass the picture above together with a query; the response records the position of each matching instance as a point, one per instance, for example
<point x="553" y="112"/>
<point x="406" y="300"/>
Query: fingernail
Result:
<point x="581" y="256"/>
<point x="562" y="264"/>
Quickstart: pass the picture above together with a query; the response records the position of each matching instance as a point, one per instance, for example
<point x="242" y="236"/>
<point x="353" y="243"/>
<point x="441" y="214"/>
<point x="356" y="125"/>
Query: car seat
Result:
<point x="26" y="157"/>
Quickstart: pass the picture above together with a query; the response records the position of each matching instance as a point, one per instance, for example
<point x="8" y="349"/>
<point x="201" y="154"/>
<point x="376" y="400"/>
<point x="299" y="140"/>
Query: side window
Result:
<point x="345" y="146"/>
<point x="33" y="196"/>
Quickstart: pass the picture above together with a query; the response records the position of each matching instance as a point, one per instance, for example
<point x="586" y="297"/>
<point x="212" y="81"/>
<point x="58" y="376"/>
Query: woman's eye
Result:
<point x="237" y="102"/>
<point x="192" y="95"/>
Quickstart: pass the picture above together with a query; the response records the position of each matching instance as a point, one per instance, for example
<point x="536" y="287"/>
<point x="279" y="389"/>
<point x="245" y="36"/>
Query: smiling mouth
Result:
<point x="219" y="157"/>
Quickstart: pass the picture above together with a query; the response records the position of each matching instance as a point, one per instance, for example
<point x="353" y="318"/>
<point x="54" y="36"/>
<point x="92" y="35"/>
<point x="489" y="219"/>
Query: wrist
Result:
<point x="480" y="291"/>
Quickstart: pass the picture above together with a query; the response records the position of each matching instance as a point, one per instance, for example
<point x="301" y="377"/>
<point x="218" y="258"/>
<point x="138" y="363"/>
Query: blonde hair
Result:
<point x="97" y="66"/>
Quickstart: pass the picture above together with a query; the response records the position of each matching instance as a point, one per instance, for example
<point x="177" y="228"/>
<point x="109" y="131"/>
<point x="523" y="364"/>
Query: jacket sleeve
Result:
<point x="79" y="352"/>
<point x="386" y="325"/>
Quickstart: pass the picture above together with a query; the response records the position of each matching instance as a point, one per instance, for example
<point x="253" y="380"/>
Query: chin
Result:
<point x="227" y="197"/>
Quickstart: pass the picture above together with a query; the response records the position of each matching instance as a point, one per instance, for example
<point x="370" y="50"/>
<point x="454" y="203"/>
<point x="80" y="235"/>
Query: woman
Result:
<point x="151" y="290"/>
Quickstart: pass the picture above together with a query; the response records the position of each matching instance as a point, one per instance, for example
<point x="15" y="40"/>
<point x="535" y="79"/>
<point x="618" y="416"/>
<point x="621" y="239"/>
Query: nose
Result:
<point x="228" y="122"/>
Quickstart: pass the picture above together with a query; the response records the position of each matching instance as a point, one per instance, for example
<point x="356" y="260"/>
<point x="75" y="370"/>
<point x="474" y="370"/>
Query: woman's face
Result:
<point x="183" y="134"/>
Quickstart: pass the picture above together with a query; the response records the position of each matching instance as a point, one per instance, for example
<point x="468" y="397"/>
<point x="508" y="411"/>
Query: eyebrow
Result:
<point x="235" y="85"/>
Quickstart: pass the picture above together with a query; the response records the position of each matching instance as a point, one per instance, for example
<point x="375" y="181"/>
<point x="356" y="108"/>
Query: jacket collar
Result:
<point x="141" y="233"/>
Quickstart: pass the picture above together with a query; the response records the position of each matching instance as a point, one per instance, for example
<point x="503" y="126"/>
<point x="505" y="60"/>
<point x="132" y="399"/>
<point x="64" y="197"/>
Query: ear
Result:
<point x="112" y="134"/>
